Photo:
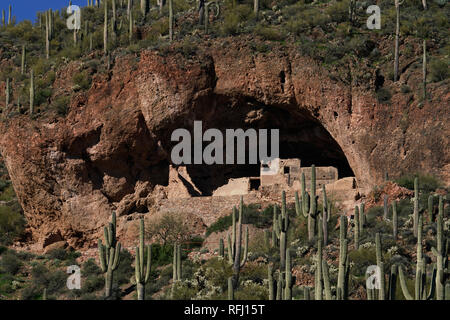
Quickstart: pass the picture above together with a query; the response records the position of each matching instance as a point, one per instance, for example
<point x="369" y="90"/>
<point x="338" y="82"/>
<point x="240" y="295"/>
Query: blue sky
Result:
<point x="26" y="9"/>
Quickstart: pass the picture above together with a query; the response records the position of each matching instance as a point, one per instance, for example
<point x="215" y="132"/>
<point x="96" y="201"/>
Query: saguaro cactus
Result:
<point x="441" y="253"/>
<point x="397" y="35"/>
<point x="312" y="215"/>
<point x="230" y="289"/>
<point x="318" y="288"/>
<point x="344" y="264"/>
<point x="207" y="5"/>
<point x="142" y="274"/>
<point x="271" y="282"/>
<point x="430" y="208"/>
<point x="105" y="30"/>
<point x="394" y="220"/>
<point x="235" y="248"/>
<point x="289" y="279"/>
<point x="109" y="254"/>
<point x="221" y="248"/>
<point x="144" y="7"/>
<point x="415" y="201"/>
<point x="9" y="15"/>
<point x="380" y="264"/>
<point x="362" y="218"/>
<point x="47" y="35"/>
<point x="281" y="226"/>
<point x="420" y="281"/>
<point x="325" y="215"/>
<point x="171" y="20"/>
<point x="7" y="92"/>
<point x="32" y="92"/>
<point x="356" y="228"/>
<point x="424" y="70"/>
<point x="385" y="207"/>
<point x="256" y="8"/>
<point x="177" y="266"/>
<point x="22" y="69"/>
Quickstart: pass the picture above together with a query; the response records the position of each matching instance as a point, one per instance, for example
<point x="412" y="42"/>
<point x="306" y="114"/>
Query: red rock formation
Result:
<point x="113" y="148"/>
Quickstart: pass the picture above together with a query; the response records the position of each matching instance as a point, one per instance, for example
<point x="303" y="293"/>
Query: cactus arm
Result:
<point x="101" y="255"/>
<point x="326" y="280"/>
<point x="432" y="291"/>
<point x="149" y="263"/>
<point x="403" y="285"/>
<point x="137" y="269"/>
<point x="230" y="254"/>
<point x="244" y="259"/>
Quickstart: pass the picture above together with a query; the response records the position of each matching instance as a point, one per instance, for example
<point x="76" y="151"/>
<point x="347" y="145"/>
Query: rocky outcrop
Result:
<point x="112" y="151"/>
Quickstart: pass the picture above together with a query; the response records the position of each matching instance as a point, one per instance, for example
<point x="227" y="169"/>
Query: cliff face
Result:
<point x="113" y="148"/>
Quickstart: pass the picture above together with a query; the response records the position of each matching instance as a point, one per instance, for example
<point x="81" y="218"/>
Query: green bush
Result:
<point x="10" y="263"/>
<point x="439" y="70"/>
<point x="82" y="80"/>
<point x="383" y="95"/>
<point x="427" y="183"/>
<point x="12" y="224"/>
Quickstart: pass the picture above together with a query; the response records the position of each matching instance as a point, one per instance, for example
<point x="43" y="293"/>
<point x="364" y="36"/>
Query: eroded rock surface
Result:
<point x="112" y="151"/>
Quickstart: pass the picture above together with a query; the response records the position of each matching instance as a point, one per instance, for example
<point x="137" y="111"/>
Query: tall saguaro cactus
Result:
<point x="356" y="228"/>
<point x="344" y="264"/>
<point x="289" y="279"/>
<point x="416" y="206"/>
<point x="420" y="281"/>
<point x="206" y="12"/>
<point x="109" y="254"/>
<point x="281" y="225"/>
<point x="424" y="69"/>
<point x="177" y="266"/>
<point x="105" y="30"/>
<point x="325" y="215"/>
<point x="22" y="67"/>
<point x="318" y="291"/>
<point x="171" y="20"/>
<point x="7" y="92"/>
<point x="144" y="7"/>
<point x="441" y="253"/>
<point x="235" y="248"/>
<point x="394" y="220"/>
<point x="271" y="282"/>
<point x="47" y="35"/>
<point x="397" y="36"/>
<point x="32" y="92"/>
<point x="142" y="272"/>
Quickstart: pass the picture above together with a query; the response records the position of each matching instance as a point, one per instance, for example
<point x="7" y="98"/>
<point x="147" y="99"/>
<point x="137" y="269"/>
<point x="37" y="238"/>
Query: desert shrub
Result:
<point x="12" y="224"/>
<point x="82" y="80"/>
<point x="251" y="291"/>
<point x="439" y="70"/>
<point x="7" y="193"/>
<point x="405" y="89"/>
<point x="383" y="95"/>
<point x="10" y="263"/>
<point x="125" y="270"/>
<point x="161" y="254"/>
<point x="31" y="293"/>
<point x="427" y="183"/>
<point x="372" y="214"/>
<point x="361" y="259"/>
<point x="250" y="215"/>
<point x="269" y="33"/>
<point x="168" y="229"/>
<point x="90" y="268"/>
<point x="61" y="105"/>
<point x="42" y="278"/>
